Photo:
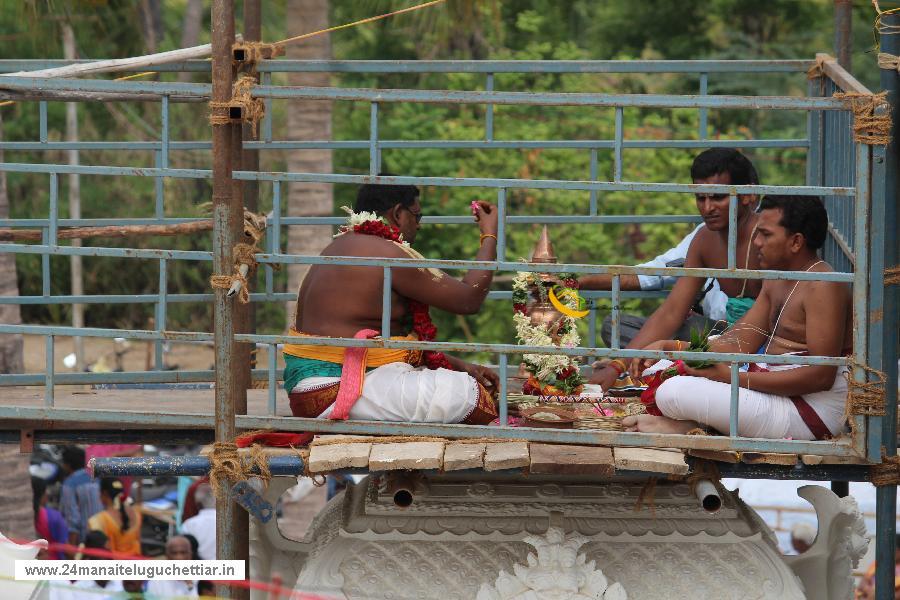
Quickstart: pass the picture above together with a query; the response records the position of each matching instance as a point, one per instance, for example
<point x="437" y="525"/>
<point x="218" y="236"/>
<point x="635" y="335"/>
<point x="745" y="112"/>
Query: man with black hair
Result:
<point x="79" y="497"/>
<point x="338" y="300"/>
<point x="801" y="402"/>
<point x="725" y="300"/>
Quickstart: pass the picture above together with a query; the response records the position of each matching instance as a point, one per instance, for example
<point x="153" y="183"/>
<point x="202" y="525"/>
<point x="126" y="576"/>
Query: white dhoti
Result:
<point x="400" y="392"/>
<point x="760" y="415"/>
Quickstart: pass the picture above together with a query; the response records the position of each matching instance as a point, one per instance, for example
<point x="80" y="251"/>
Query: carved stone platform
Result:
<point x="532" y="537"/>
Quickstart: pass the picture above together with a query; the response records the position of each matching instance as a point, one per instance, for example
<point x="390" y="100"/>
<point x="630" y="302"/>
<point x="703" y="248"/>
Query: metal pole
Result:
<point x="75" y="267"/>
<point x="226" y="217"/>
<point x="843" y="32"/>
<point x="886" y="496"/>
<point x="250" y="158"/>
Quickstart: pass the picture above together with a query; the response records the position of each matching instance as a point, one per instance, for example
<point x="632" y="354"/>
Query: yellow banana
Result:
<point x="569" y="312"/>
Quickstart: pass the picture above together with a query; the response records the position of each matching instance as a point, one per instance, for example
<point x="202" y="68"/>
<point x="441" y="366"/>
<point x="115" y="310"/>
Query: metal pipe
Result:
<point x="708" y="495"/>
<point x="843" y="33"/>
<point x="886" y="496"/>
<point x="227" y="512"/>
<point x="401" y="486"/>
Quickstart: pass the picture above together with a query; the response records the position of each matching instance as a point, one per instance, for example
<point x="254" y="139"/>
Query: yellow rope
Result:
<point x="304" y="36"/>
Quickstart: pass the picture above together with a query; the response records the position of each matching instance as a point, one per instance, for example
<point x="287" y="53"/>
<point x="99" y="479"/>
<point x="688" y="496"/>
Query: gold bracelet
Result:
<point x="677" y="345"/>
<point x="487" y="235"/>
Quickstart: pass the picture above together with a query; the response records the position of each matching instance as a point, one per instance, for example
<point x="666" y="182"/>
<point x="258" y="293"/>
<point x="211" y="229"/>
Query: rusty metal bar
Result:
<point x="843" y="32"/>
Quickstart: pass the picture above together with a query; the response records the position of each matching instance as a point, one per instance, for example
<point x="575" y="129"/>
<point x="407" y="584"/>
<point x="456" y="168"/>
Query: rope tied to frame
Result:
<point x="887" y="472"/>
<point x="867" y="397"/>
<point x="225" y="466"/>
<point x="252" y="110"/>
<point x="868" y="127"/>
<point x="243" y="254"/>
<point x="892" y="276"/>
<point x="245" y="55"/>
<point x="888" y="61"/>
<point x="818" y="68"/>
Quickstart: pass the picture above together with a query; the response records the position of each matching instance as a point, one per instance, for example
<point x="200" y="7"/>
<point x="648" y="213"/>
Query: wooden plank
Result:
<point x="720" y="455"/>
<point x="572" y="460"/>
<point x="331" y="457"/>
<point x="406" y="455"/>
<point x="769" y="458"/>
<point x="815" y="459"/>
<point x="650" y="459"/>
<point x="463" y="456"/>
<point x="506" y="455"/>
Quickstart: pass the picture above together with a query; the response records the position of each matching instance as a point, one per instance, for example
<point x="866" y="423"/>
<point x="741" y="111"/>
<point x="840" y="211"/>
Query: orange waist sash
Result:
<point x="375" y="357"/>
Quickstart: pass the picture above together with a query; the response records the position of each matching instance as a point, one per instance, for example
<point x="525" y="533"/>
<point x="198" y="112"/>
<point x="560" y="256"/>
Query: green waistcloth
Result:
<point x="736" y="308"/>
<point x="297" y="369"/>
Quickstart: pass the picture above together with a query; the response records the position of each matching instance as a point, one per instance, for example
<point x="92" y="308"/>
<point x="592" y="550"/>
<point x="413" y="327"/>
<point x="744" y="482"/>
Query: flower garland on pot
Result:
<point x="369" y="223"/>
<point x="551" y="374"/>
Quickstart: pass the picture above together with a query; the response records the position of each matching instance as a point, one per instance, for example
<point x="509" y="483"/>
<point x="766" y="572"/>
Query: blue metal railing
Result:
<point x="838" y="171"/>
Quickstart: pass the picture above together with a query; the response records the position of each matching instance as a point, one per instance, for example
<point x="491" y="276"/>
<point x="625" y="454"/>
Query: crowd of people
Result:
<point x="93" y="519"/>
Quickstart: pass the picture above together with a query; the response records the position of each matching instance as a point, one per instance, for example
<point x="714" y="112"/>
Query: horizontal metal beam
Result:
<point x="455" y="66"/>
<point x="786" y="359"/>
<point x="10" y="414"/>
<point x="550" y="98"/>
<point x="418" y="144"/>
<point x="399" y="263"/>
<point x="293" y="466"/>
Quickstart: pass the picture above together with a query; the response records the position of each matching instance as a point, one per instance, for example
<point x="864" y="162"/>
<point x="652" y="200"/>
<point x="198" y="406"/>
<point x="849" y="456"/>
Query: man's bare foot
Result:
<point x="654" y="424"/>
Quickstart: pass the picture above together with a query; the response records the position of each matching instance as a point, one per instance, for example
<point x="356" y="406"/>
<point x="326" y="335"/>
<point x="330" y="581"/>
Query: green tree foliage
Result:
<point x="514" y="30"/>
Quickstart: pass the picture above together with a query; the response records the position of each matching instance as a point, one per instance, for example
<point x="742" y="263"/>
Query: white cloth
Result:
<point x="713" y="302"/>
<point x="760" y="415"/>
<point x="159" y="589"/>
<point x="400" y="392"/>
<point x="86" y="590"/>
<point x="203" y="527"/>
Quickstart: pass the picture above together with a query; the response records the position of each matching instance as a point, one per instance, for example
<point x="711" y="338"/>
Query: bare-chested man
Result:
<point x="802" y="402"/>
<point x="345" y="301"/>
<point x="708" y="249"/>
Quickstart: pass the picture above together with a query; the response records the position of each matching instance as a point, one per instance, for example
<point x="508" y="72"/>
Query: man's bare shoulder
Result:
<point x="351" y="244"/>
<point x="703" y="243"/>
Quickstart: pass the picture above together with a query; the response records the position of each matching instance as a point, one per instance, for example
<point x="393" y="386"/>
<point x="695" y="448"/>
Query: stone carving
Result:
<point x="459" y="534"/>
<point x="557" y="572"/>
<point x="826" y="568"/>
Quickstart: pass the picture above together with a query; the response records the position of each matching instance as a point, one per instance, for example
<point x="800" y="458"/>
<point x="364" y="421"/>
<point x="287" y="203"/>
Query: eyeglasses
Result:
<point x="417" y="215"/>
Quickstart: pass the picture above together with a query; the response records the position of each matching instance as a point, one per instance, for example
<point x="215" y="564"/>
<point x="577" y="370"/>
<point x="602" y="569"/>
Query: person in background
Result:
<point x="206" y="589"/>
<point x="190" y="508"/>
<point x="195" y="545"/>
<point x="177" y="548"/>
<point x="803" y="535"/>
<point x="89" y="589"/>
<point x="203" y="525"/>
<point x="80" y="495"/>
<point x="866" y="589"/>
<point x="48" y="522"/>
<point x="118" y="519"/>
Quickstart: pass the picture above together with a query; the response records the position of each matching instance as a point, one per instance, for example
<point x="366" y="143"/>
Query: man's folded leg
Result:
<point x="401" y="392"/>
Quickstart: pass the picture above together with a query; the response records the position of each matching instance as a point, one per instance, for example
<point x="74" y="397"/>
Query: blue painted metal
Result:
<point x="504" y="381"/>
<point x="614" y="315"/>
<point x="386" y="288"/>
<point x="829" y="145"/>
<point x="732" y="231"/>
<point x="735" y="402"/>
<point x="258" y="507"/>
<point x="49" y="362"/>
<point x="42" y="120"/>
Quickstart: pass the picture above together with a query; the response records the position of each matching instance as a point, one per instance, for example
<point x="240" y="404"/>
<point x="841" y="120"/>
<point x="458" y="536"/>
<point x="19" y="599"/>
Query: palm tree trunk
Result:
<point x="16" y="509"/>
<point x="11" y="346"/>
<point x="308" y="120"/>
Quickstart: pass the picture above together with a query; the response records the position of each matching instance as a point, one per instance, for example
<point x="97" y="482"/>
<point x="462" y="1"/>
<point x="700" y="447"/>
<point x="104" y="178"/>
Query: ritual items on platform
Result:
<point x="539" y="322"/>
<point x="699" y="343"/>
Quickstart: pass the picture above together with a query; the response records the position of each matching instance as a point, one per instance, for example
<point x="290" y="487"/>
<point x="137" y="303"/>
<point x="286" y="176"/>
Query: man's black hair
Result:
<point x="38" y="488"/>
<point x="380" y="198"/>
<point x="724" y="160"/>
<point x="73" y="457"/>
<point x="800" y="214"/>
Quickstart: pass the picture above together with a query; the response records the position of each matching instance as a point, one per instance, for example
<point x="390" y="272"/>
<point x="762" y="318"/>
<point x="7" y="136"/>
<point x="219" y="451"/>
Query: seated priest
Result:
<point x="801" y="402"/>
<point x="339" y="300"/>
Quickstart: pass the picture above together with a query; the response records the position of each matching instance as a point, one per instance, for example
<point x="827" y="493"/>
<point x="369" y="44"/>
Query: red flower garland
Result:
<point x="648" y="396"/>
<point x="422" y="324"/>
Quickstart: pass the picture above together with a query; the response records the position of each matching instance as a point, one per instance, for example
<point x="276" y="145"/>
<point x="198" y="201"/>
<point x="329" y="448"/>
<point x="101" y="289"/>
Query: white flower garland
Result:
<point x="543" y="366"/>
